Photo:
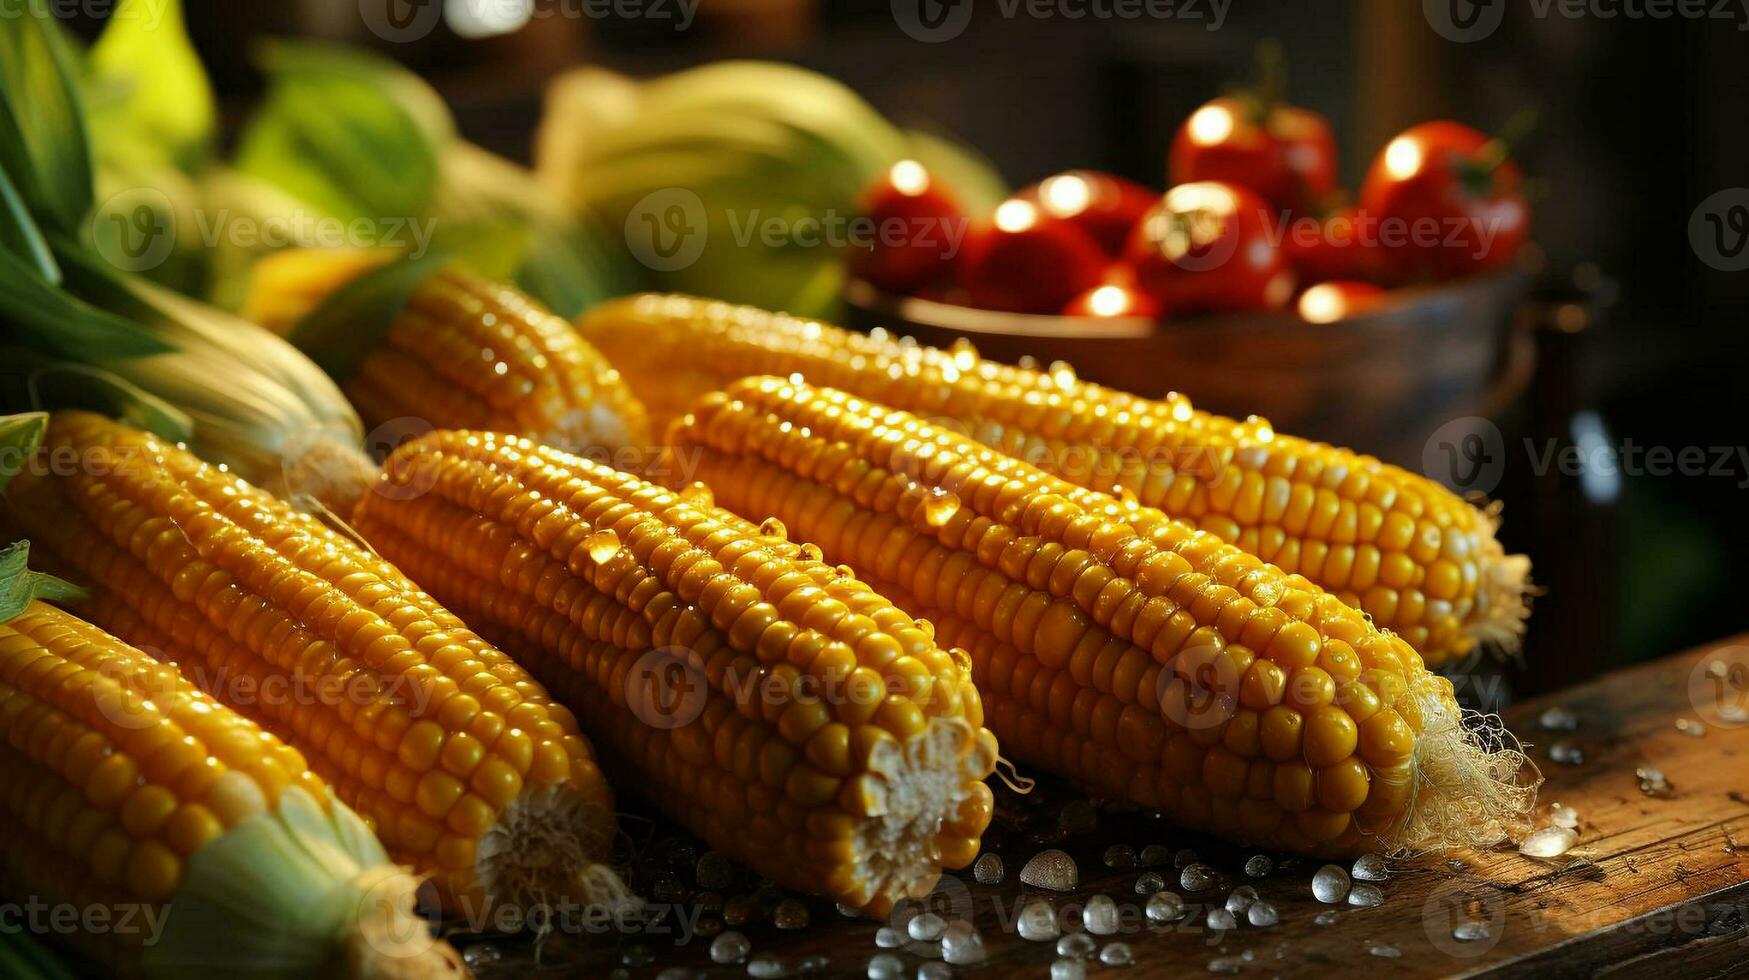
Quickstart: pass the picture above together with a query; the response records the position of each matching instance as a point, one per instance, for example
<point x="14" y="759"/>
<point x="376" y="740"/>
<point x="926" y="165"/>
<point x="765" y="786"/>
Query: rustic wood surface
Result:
<point x="1658" y="885"/>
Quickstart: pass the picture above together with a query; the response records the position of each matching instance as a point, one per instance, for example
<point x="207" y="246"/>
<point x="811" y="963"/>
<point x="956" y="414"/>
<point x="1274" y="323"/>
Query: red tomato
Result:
<point x="918" y="227"/>
<point x="1112" y="300"/>
<point x="1343" y="245"/>
<point x="1285" y="153"/>
<point x="1448" y="202"/>
<point x="1209" y="247"/>
<point x="1328" y="302"/>
<point x="1104" y="206"/>
<point x="1029" y="262"/>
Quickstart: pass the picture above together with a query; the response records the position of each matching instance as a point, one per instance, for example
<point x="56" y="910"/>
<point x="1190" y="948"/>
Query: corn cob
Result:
<point x="1113" y="644"/>
<point x="1417" y="558"/>
<point x="789" y="716"/>
<point x="463" y="353"/>
<point x="463" y="765"/>
<point x="202" y="840"/>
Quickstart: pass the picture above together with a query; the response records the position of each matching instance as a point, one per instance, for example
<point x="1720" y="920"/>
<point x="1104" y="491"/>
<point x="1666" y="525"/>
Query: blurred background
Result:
<point x="1639" y="123"/>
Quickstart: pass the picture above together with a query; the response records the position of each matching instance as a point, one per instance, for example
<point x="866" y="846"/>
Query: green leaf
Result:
<point x="150" y="101"/>
<point x="19" y="586"/>
<point x="19" y="437"/>
<point x="19" y="232"/>
<point x="352" y="135"/>
<point x="351" y="322"/>
<point x="54" y="321"/>
<point x="43" y="142"/>
<point x="57" y="385"/>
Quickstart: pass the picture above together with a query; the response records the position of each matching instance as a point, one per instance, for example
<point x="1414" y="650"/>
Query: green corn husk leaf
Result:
<point x="351" y="322"/>
<point x="71" y="385"/>
<point x="296" y="892"/>
<point x="352" y="136"/>
<point x="19" y="437"/>
<point x="20" y="235"/>
<point x="53" y="320"/>
<point x="19" y="586"/>
<point x="43" y="143"/>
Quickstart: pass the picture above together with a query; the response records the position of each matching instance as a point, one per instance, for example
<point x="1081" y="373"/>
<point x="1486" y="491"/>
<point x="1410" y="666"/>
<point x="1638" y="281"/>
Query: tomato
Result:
<point x="917" y="228"/>
<point x="1104" y="206"/>
<point x="1209" y="247"/>
<point x="1339" y="299"/>
<point x="1113" y="300"/>
<point x="1029" y="262"/>
<point x="1448" y="201"/>
<point x="1343" y="245"/>
<point x="1285" y="153"/>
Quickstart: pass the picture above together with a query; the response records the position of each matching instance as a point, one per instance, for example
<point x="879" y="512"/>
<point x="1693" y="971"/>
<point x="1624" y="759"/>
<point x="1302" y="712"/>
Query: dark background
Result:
<point x="1640" y="120"/>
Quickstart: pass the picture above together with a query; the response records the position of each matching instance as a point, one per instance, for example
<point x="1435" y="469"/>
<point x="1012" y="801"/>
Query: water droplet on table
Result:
<point x="1558" y="719"/>
<point x="1053" y="869"/>
<point x="1067" y="969"/>
<point x="1690" y="727"/>
<point x="1240" y="899"/>
<point x="988" y="870"/>
<point x="1330" y="884"/>
<point x="886" y="937"/>
<point x="730" y="947"/>
<point x="1076" y="946"/>
<point x="885" y="966"/>
<point x="1165" y="907"/>
<point x="1196" y="877"/>
<point x="1221" y="919"/>
<point x="1150" y="883"/>
<point x="926" y="928"/>
<point x="1385" y="950"/>
<point x="961" y="944"/>
<point x="1226" y="965"/>
<point x="1470" y="931"/>
<point x="1100" y="915"/>
<point x="1117" y="954"/>
<point x="1262" y="914"/>
<point x="1567" y="754"/>
<point x="1038" y="921"/>
<point x="1364" y="896"/>
<point x="1562" y="815"/>
<point x="1258" y="866"/>
<point x="1120" y="857"/>
<point x="1155" y="854"/>
<point x="1370" y="867"/>
<point x="1549" y="842"/>
<point x="1652" y="781"/>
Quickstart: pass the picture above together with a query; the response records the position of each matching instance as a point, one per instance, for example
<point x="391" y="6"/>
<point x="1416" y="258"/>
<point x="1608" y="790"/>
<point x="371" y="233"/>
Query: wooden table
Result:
<point x="1658" y="886"/>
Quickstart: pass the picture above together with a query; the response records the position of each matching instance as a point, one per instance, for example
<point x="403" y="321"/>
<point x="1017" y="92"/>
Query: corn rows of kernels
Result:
<point x="1073" y="591"/>
<point x="1388" y="541"/>
<point x="504" y="529"/>
<point x="470" y="354"/>
<point x="153" y="768"/>
<point x="419" y="725"/>
<point x="36" y="865"/>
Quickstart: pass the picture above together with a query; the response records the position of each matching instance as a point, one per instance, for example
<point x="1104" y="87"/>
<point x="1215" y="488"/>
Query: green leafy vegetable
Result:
<point x="19" y="586"/>
<point x="150" y="102"/>
<point x="43" y="143"/>
<point x="351" y="322"/>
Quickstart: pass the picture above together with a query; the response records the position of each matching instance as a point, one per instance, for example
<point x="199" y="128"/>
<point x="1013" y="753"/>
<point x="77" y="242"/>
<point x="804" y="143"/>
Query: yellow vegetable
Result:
<point x="1114" y="645"/>
<point x="1417" y="558"/>
<point x="457" y="757"/>
<point x="789" y="715"/>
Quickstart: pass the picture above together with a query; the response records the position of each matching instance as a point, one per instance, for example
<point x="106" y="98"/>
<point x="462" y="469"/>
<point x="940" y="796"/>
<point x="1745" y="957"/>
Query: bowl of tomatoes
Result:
<point x="1251" y="282"/>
